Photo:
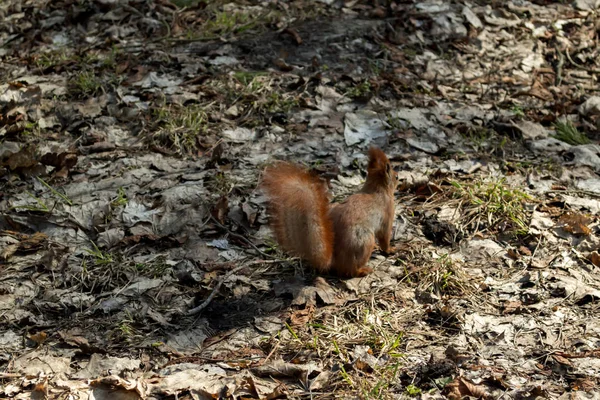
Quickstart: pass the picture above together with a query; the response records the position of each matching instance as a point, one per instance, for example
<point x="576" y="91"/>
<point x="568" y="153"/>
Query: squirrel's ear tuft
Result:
<point x="377" y="159"/>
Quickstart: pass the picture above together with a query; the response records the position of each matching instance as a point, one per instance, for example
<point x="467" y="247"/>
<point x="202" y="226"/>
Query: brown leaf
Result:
<point x="62" y="160"/>
<point x="138" y="76"/>
<point x="294" y="34"/>
<point x="575" y="223"/>
<point x="127" y="389"/>
<point x="524" y="251"/>
<point x="583" y="384"/>
<point x="39" y="337"/>
<point x="306" y="296"/>
<point x="22" y="242"/>
<point x="221" y="209"/>
<point x="21" y="159"/>
<point x="428" y="189"/>
<point x="513" y="254"/>
<point x="301" y="317"/>
<point x="16" y="85"/>
<point x="325" y="291"/>
<point x="512" y="307"/>
<point x="461" y="387"/>
<point x="282" y="369"/>
<point x="562" y="360"/>
<point x="537" y="90"/>
<point x="73" y="338"/>
<point x="33" y="242"/>
<point x="362" y="366"/>
<point x="282" y="65"/>
<point x="122" y="67"/>
<point x="595" y="258"/>
<point x="164" y="241"/>
<point x="209" y="277"/>
<point x="250" y="212"/>
<point x="378" y="12"/>
<point x="217" y="153"/>
<point x="62" y="173"/>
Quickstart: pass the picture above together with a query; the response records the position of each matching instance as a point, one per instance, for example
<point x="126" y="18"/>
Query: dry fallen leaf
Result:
<point x="461" y="387"/>
<point x="282" y="65"/>
<point x="220" y="210"/>
<point x="562" y="360"/>
<point x="294" y="34"/>
<point x="525" y="251"/>
<point x="74" y="338"/>
<point x="512" y="307"/>
<point x="595" y="258"/>
<point x="59" y="160"/>
<point x="39" y="337"/>
<point x="23" y="159"/>
<point x="513" y="254"/>
<point x="117" y="387"/>
<point x="583" y="384"/>
<point x="301" y="317"/>
<point x="428" y="189"/>
<point x="33" y="242"/>
<point x="282" y="369"/>
<point x="575" y="223"/>
<point x="364" y="359"/>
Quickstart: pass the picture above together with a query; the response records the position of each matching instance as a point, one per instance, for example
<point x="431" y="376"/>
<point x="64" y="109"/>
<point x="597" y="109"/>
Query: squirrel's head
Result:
<point x="380" y="170"/>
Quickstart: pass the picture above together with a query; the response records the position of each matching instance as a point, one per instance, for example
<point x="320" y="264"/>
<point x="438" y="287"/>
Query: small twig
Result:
<point x="559" y="67"/>
<point x="237" y="235"/>
<point x="535" y="250"/>
<point x="582" y="67"/>
<point x="586" y="354"/>
<point x="263" y="362"/>
<point x="4" y="375"/>
<point x="570" y="191"/>
<point x="206" y="302"/>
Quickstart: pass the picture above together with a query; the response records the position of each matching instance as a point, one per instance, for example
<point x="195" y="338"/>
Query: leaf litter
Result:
<point x="135" y="256"/>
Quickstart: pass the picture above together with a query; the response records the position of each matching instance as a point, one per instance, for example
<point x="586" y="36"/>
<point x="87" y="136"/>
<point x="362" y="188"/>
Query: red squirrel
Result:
<point x="337" y="237"/>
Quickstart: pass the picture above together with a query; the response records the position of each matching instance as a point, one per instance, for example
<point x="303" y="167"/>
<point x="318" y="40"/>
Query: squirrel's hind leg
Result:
<point x="364" y="271"/>
<point x="354" y="264"/>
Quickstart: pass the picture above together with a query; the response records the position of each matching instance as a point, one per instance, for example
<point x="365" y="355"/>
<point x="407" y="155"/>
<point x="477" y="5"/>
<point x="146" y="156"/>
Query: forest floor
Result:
<point x="135" y="255"/>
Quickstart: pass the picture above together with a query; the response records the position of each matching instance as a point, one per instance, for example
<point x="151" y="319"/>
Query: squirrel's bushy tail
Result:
<point x="299" y="211"/>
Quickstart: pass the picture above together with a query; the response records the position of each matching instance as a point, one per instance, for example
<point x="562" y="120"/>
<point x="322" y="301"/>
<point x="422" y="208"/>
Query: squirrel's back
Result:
<point x="299" y="210"/>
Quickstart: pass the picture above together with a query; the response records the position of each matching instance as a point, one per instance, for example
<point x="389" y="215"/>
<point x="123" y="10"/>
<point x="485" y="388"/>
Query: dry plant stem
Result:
<point x="579" y="66"/>
<point x="263" y="362"/>
<point x="568" y="191"/>
<point x="535" y="251"/>
<point x="559" y="67"/>
<point x="5" y="375"/>
<point x="206" y="302"/>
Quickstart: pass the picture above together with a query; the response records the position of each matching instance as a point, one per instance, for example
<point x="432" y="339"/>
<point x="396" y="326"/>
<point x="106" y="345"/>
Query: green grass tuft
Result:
<point x="568" y="133"/>
<point x="180" y="127"/>
<point x="86" y="84"/>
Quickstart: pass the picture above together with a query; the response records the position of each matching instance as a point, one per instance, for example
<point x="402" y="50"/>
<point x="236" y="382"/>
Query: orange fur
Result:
<point x="299" y="210"/>
<point x="340" y="236"/>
